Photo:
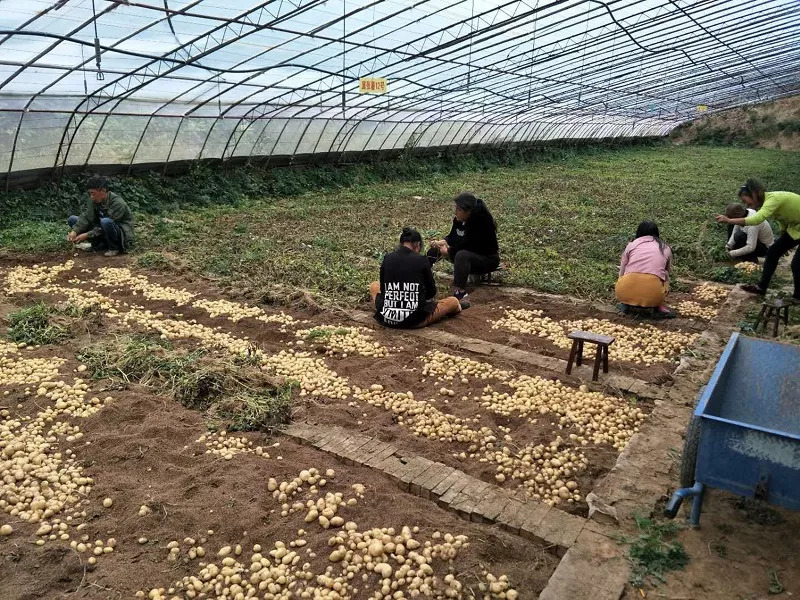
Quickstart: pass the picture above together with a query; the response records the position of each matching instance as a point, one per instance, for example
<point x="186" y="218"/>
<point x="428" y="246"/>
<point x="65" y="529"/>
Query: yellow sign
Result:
<point x="372" y="85"/>
<point x="702" y="108"/>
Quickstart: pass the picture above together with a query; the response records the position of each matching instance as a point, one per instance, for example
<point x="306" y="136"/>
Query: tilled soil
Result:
<point x="400" y="371"/>
<point x="142" y="450"/>
<point x="734" y="553"/>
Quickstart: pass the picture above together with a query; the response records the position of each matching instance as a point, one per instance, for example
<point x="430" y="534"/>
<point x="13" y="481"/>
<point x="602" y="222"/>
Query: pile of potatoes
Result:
<point x="170" y="329"/>
<point x="224" y="308"/>
<point x="641" y="344"/>
<point x="322" y="510"/>
<point x="688" y="308"/>
<point x="448" y="367"/>
<point x="120" y="277"/>
<point x="40" y="481"/>
<point x="313" y="375"/>
<point x="748" y="267"/>
<point x="545" y="471"/>
<point x="82" y="299"/>
<point x="343" y="341"/>
<point x="540" y="480"/>
<point x="28" y="371"/>
<point x="96" y="550"/>
<point x="593" y="416"/>
<point x="284" y="320"/>
<point x="39" y="279"/>
<point x="711" y="293"/>
<point x="383" y="563"/>
<point x="236" y="312"/>
<point x="523" y="320"/>
<point x="422" y="418"/>
<point x="225" y="446"/>
<point x="31" y="279"/>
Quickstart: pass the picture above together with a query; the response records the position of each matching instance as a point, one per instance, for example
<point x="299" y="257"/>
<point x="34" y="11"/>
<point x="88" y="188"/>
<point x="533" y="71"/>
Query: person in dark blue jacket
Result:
<point x="471" y="244"/>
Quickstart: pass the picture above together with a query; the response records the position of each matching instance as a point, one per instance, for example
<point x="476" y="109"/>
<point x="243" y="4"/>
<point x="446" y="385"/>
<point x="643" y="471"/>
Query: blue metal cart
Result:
<point x="744" y="436"/>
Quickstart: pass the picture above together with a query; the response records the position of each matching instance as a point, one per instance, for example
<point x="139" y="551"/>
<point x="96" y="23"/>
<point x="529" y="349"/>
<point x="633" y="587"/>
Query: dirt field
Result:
<point x="507" y="423"/>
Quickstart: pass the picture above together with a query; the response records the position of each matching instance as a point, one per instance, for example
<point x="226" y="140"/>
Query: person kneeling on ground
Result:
<point x="644" y="272"/>
<point x="406" y="293"/>
<point x="471" y="243"/>
<point x="751" y="241"/>
<point x="105" y="224"/>
<point x="785" y="206"/>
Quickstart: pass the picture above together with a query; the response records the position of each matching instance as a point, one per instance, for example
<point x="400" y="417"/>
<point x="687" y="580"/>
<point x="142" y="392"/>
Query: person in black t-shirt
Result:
<point x="405" y="296"/>
<point x="471" y="243"/>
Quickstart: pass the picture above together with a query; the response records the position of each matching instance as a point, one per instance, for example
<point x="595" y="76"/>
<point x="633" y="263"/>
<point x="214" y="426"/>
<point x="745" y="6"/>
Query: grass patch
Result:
<point x="563" y="218"/>
<point x="27" y="236"/>
<point x="152" y="260"/>
<point x="235" y="391"/>
<point x="37" y="325"/>
<point x="775" y="585"/>
<point x="652" y="554"/>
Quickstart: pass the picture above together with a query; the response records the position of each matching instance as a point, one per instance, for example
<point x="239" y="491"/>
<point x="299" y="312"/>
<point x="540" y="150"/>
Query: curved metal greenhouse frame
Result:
<point x="123" y="84"/>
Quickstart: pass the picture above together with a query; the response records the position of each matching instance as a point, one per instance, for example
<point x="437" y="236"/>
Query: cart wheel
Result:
<point x="690" y="444"/>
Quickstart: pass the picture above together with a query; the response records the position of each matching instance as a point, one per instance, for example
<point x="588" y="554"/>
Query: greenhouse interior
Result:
<point x="122" y="84"/>
<point x="399" y="299"/>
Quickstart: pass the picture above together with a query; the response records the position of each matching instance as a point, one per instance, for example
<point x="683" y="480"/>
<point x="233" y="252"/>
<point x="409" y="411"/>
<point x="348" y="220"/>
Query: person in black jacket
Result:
<point x="405" y="296"/>
<point x="471" y="243"/>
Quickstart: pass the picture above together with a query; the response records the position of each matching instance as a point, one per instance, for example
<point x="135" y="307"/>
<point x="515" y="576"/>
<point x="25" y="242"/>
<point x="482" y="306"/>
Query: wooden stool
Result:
<point x="773" y="309"/>
<point x="484" y="278"/>
<point x="576" y="354"/>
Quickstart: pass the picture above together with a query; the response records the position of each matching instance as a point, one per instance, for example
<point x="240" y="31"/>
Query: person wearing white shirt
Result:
<point x="747" y="242"/>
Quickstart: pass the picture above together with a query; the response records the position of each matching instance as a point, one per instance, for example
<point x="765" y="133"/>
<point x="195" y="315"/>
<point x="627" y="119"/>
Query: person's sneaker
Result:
<point x="465" y="303"/>
<point x="461" y="295"/>
<point x="111" y="253"/>
<point x="753" y="289"/>
<point x="85" y="246"/>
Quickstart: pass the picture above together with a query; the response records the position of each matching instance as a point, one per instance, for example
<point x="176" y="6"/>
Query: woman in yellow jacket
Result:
<point x="784" y="207"/>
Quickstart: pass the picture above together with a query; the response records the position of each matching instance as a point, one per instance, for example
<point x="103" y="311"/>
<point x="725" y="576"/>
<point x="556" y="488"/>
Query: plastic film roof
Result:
<point x="122" y="82"/>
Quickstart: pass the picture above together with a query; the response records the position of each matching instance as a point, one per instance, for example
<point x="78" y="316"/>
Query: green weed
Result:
<point x="37" y="236"/>
<point x="152" y="260"/>
<point x="775" y="585"/>
<point x="651" y="555"/>
<point x="37" y="326"/>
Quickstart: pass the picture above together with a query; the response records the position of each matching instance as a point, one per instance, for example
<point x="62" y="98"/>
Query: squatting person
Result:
<point x="405" y="296"/>
<point x="105" y="224"/>
<point x="471" y="244"/>
<point x="644" y="272"/>
<point x="785" y="207"/>
<point x="751" y="241"/>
